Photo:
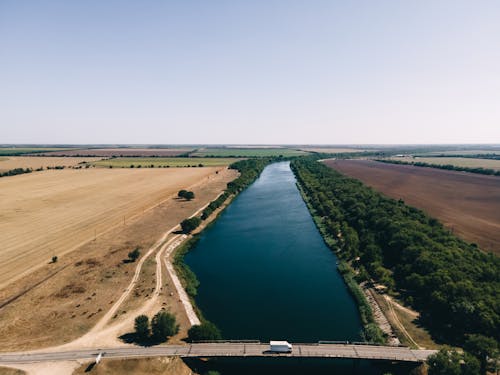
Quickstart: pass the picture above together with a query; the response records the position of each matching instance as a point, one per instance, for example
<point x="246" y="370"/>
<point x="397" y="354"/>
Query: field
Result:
<point x="59" y="302"/>
<point x="247" y="152"/>
<point x="468" y="204"/>
<point x="459" y="162"/>
<point x="332" y="150"/>
<point x="163" y="162"/>
<point x="34" y="162"/>
<point x="51" y="213"/>
<point x="139" y="366"/>
<point x="26" y="150"/>
<point x="108" y="152"/>
<point x="492" y="150"/>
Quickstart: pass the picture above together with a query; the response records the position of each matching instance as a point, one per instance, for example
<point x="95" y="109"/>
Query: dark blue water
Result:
<point x="265" y="272"/>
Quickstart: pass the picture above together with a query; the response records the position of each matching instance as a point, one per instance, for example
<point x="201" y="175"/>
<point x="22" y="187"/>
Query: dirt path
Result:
<point x="401" y="327"/>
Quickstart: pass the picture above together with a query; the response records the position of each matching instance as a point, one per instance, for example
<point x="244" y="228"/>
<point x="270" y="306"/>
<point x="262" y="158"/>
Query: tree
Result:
<point x="204" y="331"/>
<point x="189" y="195"/>
<point x="181" y="193"/>
<point x="133" y="255"/>
<point x="482" y="348"/>
<point x="445" y="362"/>
<point x="191" y="224"/>
<point x="164" y="325"/>
<point x="142" y="327"/>
<point x="54" y="259"/>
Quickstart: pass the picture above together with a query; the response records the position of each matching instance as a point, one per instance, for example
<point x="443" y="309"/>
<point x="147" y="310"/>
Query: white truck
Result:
<point x="280" y="347"/>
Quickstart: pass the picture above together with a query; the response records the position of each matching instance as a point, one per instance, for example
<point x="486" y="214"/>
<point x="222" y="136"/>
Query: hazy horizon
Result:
<point x="264" y="72"/>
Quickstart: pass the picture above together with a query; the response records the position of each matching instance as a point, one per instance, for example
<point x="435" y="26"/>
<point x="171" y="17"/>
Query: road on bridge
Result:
<point x="228" y="349"/>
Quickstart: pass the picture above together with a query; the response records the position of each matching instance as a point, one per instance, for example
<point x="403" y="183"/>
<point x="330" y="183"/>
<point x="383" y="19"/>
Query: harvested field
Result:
<point x="164" y="162"/>
<point x="60" y="302"/>
<point x="35" y="162"/>
<point x="247" y="152"/>
<point x="467" y="203"/>
<point x="458" y="162"/>
<point x="28" y="150"/>
<point x="52" y="213"/>
<point x="117" y="152"/>
<point x="332" y="150"/>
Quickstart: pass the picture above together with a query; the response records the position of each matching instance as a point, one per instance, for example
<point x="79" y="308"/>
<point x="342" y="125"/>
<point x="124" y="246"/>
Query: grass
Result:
<point x="163" y="162"/>
<point x="456" y="161"/>
<point x="12" y="151"/>
<point x="247" y="152"/>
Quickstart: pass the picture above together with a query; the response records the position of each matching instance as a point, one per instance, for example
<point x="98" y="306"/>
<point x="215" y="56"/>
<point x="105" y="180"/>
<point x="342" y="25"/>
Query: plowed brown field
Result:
<point x="467" y="203"/>
<point x="53" y="212"/>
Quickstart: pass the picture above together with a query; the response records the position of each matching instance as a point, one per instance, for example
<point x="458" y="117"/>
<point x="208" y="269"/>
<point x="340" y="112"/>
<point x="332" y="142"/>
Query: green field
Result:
<point x="163" y="162"/>
<point x="458" y="162"/>
<point x="12" y="151"/>
<point x="247" y="152"/>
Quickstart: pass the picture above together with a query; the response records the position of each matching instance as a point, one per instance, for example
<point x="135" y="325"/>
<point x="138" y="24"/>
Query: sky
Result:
<point x="250" y="72"/>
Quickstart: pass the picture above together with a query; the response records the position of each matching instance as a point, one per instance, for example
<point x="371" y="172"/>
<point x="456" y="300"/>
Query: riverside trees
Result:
<point x="452" y="283"/>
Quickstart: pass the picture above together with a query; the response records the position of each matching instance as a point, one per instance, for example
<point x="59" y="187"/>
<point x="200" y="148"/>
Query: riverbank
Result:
<point x="373" y="330"/>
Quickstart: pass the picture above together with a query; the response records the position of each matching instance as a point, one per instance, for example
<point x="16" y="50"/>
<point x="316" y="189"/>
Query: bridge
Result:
<point x="228" y="349"/>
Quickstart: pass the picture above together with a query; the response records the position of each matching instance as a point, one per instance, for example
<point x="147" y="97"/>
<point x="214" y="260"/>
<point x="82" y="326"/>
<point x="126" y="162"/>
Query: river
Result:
<point x="265" y="272"/>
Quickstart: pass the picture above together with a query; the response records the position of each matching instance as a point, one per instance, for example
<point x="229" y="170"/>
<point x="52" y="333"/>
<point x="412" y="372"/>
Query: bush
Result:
<point x="54" y="259"/>
<point x="164" y="325"/>
<point x="187" y="195"/>
<point x="191" y="224"/>
<point x="142" y="327"/>
<point x="133" y="255"/>
<point x="206" y="331"/>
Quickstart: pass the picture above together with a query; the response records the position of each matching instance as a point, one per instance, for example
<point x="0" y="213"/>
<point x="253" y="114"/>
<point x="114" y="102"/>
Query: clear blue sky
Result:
<point x="93" y="71"/>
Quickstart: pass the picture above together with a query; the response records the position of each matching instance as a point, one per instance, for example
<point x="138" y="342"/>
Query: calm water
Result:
<point x="265" y="272"/>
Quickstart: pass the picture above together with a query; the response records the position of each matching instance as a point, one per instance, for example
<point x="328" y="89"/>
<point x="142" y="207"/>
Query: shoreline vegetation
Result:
<point x="371" y="331"/>
<point x="449" y="167"/>
<point x="453" y="284"/>
<point x="249" y="170"/>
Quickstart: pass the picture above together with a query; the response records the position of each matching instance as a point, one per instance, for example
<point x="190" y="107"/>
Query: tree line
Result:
<point x="450" y="167"/>
<point x="453" y="284"/>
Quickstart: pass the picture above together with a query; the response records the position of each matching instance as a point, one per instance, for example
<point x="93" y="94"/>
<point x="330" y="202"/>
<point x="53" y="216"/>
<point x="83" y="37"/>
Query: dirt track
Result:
<point x="467" y="203"/>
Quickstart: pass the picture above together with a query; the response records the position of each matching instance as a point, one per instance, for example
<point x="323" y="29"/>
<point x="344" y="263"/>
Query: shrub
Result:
<point x="205" y="331"/>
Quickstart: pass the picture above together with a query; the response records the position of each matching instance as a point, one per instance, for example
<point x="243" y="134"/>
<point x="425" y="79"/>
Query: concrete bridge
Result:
<point x="228" y="349"/>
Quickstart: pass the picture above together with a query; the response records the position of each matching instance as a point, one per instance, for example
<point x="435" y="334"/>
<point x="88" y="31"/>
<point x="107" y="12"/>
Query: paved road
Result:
<point x="228" y="350"/>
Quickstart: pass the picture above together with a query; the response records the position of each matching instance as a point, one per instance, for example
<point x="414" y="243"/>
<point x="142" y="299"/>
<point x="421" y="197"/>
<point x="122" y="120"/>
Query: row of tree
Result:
<point x="448" y="167"/>
<point x="16" y="171"/>
<point x="162" y="326"/>
<point x="452" y="283"/>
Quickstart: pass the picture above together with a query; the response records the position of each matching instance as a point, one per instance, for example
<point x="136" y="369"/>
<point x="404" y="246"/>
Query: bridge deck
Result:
<point x="229" y="350"/>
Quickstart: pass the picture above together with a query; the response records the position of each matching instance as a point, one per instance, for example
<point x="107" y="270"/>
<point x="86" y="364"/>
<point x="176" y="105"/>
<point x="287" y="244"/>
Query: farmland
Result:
<point x="61" y="301"/>
<point x="35" y="162"/>
<point x="52" y="213"/>
<point x="247" y="152"/>
<point x="121" y="151"/>
<point x="332" y="150"/>
<point x="468" y="204"/>
<point x="163" y="162"/>
<point x="27" y="150"/>
<point x="455" y="161"/>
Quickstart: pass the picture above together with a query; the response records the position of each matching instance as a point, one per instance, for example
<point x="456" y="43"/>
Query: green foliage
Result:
<point x="134" y="254"/>
<point x="450" y="362"/>
<point x="181" y="193"/>
<point x="163" y="325"/>
<point x="206" y="331"/>
<point x="453" y="284"/>
<point x="215" y="204"/>
<point x="187" y="195"/>
<point x="141" y="326"/>
<point x="188" y="225"/>
<point x="187" y="277"/>
<point x="482" y="348"/>
<point x="249" y="170"/>
<point x="16" y="171"/>
<point x="54" y="259"/>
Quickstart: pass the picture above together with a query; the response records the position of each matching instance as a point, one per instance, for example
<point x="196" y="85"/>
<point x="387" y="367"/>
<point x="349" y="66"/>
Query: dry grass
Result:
<point x="52" y="213"/>
<point x="59" y="302"/>
<point x="35" y="162"/>
<point x="11" y="371"/>
<point x="138" y="366"/>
